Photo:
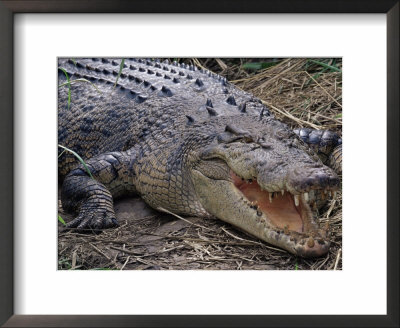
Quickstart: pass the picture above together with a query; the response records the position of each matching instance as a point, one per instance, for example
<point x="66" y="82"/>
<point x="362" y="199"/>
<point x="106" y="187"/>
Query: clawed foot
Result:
<point x="93" y="221"/>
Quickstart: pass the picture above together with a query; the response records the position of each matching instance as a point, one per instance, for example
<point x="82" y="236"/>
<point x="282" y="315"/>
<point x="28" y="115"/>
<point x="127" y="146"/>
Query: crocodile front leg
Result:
<point x="92" y="198"/>
<point x="327" y="145"/>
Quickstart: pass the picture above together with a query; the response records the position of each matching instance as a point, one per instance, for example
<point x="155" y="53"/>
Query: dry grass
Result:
<point x="299" y="92"/>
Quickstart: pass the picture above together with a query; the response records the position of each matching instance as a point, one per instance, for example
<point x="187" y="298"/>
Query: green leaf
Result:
<point x="61" y="153"/>
<point x="65" y="263"/>
<point x="80" y="80"/>
<point x="121" y="66"/>
<point x="61" y="220"/>
<point x="259" y="65"/>
<point x="68" y="83"/>
<point x="252" y="66"/>
<point x="332" y="68"/>
<point x="79" y="158"/>
<point x="315" y="76"/>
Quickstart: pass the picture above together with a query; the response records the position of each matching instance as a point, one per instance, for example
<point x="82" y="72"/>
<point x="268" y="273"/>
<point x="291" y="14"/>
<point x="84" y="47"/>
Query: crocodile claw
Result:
<point x="93" y="221"/>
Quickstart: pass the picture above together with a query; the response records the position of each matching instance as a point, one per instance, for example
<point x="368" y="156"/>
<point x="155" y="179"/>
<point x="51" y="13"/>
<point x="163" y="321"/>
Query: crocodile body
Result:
<point x="188" y="142"/>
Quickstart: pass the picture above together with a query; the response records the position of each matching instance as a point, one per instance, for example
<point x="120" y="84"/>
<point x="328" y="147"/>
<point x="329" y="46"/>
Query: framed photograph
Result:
<point x="179" y="212"/>
<point x="166" y="164"/>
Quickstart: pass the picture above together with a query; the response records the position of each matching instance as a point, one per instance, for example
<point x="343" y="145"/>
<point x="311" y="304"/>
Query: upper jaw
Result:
<point x="301" y="180"/>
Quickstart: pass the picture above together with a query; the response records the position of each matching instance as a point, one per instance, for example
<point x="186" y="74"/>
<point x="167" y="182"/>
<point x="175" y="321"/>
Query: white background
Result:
<point x="359" y="289"/>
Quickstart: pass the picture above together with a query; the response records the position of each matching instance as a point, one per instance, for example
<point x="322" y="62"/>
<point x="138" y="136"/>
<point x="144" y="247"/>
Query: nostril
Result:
<point x="308" y="178"/>
<point x="310" y="181"/>
<point x="334" y="181"/>
<point x="323" y="180"/>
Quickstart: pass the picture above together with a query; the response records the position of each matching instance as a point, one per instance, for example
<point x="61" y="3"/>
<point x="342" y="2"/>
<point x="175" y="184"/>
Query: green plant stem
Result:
<point x="79" y="158"/>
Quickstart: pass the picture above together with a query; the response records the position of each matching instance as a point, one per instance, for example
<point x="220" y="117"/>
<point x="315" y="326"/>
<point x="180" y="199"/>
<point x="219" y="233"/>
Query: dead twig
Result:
<point x="290" y="68"/>
<point x="323" y="116"/>
<point x="100" y="252"/>
<point x="337" y="259"/>
<point x="293" y="118"/>
<point x="123" y="266"/>
<point x="331" y="207"/>
<point x="73" y="265"/>
<point x="221" y="64"/>
<point x="254" y="242"/>
<point x="330" y="96"/>
<point x="161" y="209"/>
<point x="221" y="242"/>
<point x="145" y="255"/>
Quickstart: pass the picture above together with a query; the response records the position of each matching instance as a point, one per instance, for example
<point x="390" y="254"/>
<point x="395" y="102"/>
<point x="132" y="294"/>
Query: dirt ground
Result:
<point x="300" y="92"/>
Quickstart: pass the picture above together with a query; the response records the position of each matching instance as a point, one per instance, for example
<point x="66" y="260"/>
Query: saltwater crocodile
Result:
<point x="190" y="143"/>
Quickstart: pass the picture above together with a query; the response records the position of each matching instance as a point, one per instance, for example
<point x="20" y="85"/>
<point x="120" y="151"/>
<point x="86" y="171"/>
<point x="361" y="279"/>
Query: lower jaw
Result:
<point x="301" y="248"/>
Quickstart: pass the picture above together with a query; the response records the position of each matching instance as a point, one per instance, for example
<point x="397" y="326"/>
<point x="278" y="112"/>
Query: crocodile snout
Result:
<point x="307" y="179"/>
<point x="314" y="249"/>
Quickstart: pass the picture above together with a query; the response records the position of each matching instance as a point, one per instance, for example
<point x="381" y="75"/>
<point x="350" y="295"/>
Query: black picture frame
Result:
<point x="7" y="11"/>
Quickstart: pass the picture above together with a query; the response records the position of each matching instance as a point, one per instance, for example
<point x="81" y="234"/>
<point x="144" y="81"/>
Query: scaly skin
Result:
<point x="190" y="143"/>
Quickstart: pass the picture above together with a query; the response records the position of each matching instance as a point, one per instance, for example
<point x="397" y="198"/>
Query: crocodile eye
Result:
<point x="226" y="137"/>
<point x="247" y="138"/>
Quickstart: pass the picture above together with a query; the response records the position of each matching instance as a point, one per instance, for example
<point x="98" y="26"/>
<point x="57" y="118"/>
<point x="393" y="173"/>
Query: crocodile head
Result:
<point x="258" y="176"/>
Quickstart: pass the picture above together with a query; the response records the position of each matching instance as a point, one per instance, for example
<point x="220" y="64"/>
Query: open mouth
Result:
<point x="283" y="210"/>
<point x="280" y="218"/>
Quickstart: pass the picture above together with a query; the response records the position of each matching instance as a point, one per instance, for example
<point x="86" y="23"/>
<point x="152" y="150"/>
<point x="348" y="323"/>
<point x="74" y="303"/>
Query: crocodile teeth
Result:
<point x="282" y="192"/>
<point x="311" y="194"/>
<point x="306" y="197"/>
<point x="297" y="200"/>
<point x="334" y="194"/>
<point x="270" y="197"/>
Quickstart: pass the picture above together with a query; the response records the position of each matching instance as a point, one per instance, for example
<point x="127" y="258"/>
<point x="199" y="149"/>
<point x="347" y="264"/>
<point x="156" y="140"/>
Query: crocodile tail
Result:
<point x="323" y="142"/>
<point x="335" y="159"/>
